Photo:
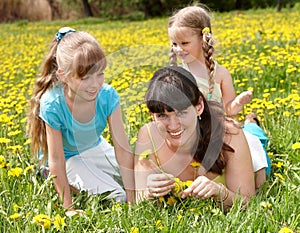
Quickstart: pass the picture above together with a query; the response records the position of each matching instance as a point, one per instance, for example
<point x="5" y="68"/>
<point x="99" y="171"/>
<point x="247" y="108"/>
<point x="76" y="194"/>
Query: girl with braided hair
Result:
<point x="192" y="41"/>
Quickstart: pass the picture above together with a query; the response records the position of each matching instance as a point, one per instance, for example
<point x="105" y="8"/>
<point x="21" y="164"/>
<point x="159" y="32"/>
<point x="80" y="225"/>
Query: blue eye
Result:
<point x="85" y="77"/>
<point x="161" y="115"/>
<point x="181" y="113"/>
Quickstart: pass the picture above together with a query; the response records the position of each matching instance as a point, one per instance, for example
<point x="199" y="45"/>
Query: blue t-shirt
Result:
<point x="77" y="137"/>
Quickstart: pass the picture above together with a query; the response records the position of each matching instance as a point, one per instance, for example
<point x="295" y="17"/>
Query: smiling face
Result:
<point x="81" y="64"/>
<point x="175" y="101"/>
<point x="186" y="43"/>
<point x="178" y="127"/>
<point x="85" y="88"/>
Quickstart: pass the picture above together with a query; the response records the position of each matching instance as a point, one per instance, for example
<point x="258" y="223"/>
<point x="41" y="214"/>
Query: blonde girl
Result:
<point x="192" y="41"/>
<point x="69" y="110"/>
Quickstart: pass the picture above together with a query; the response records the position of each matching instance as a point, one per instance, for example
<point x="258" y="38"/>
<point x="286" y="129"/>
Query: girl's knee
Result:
<point x="260" y="178"/>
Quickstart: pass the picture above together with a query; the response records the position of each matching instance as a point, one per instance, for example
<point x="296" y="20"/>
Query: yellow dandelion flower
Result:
<point x="145" y="154"/>
<point x="161" y="199"/>
<point x="188" y="183"/>
<point x="279" y="176"/>
<point x="285" y="230"/>
<point x="134" y="230"/>
<point x="265" y="205"/>
<point x="133" y="140"/>
<point x="159" y="225"/>
<point x="179" y="217"/>
<point x="14" y="133"/>
<point x="171" y="201"/>
<point x="28" y="214"/>
<point x="27" y="142"/>
<point x="195" y="164"/>
<point x="279" y="164"/>
<point x="29" y="168"/>
<point x="296" y="146"/>
<point x="15" y="172"/>
<point x="42" y="219"/>
<point x="59" y="222"/>
<point x="15" y="216"/>
<point x="178" y="185"/>
<point x="4" y="140"/>
<point x="2" y="161"/>
<point x="16" y="207"/>
<point x="270" y="154"/>
<point x="286" y="114"/>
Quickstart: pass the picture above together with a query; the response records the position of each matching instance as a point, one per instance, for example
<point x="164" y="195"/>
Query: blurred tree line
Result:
<point x="34" y="10"/>
<point x="152" y="8"/>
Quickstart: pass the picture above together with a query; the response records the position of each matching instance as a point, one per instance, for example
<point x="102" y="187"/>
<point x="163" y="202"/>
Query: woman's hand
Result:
<point x="202" y="187"/>
<point x="159" y="184"/>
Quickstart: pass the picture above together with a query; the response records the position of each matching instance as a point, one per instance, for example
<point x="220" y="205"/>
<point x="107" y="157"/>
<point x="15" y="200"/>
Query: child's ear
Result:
<point x="60" y="75"/>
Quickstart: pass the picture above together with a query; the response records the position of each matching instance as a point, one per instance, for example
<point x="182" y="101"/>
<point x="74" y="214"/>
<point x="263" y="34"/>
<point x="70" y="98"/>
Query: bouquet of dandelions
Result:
<point x="174" y="196"/>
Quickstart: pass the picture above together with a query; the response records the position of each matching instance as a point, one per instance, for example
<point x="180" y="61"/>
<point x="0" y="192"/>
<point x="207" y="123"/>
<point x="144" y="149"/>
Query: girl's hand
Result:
<point x="245" y="97"/>
<point x="202" y="187"/>
<point x="160" y="184"/>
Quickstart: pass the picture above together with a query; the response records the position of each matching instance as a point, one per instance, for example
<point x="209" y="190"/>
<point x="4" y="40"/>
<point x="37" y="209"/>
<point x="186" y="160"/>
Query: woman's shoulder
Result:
<point x="235" y="137"/>
<point x="233" y="129"/>
<point x="145" y="132"/>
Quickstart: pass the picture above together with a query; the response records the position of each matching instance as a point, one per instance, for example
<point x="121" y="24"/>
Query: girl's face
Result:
<point x="186" y="44"/>
<point x="178" y="127"/>
<point x="85" y="89"/>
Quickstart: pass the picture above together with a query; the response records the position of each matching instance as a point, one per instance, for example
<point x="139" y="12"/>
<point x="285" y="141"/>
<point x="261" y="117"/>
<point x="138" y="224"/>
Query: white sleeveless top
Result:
<point x="204" y="87"/>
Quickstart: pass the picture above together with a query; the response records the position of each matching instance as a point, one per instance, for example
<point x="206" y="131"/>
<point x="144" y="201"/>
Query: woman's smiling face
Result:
<point x="178" y="127"/>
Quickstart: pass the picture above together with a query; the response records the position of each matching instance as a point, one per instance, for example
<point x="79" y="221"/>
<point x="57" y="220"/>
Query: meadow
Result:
<point x="260" y="48"/>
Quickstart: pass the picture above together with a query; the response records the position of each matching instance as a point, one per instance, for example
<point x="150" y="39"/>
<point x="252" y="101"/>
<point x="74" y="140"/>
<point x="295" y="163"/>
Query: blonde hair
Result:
<point x="196" y="18"/>
<point x="76" y="54"/>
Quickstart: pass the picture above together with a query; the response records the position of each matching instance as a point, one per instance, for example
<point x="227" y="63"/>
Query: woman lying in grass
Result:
<point x="188" y="130"/>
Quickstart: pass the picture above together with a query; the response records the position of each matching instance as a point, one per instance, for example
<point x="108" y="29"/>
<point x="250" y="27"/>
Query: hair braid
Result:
<point x="208" y="51"/>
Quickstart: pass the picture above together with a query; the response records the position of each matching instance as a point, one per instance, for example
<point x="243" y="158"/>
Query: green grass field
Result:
<point x="262" y="51"/>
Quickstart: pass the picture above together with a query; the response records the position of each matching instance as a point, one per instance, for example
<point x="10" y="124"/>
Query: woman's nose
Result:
<point x="174" y="122"/>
